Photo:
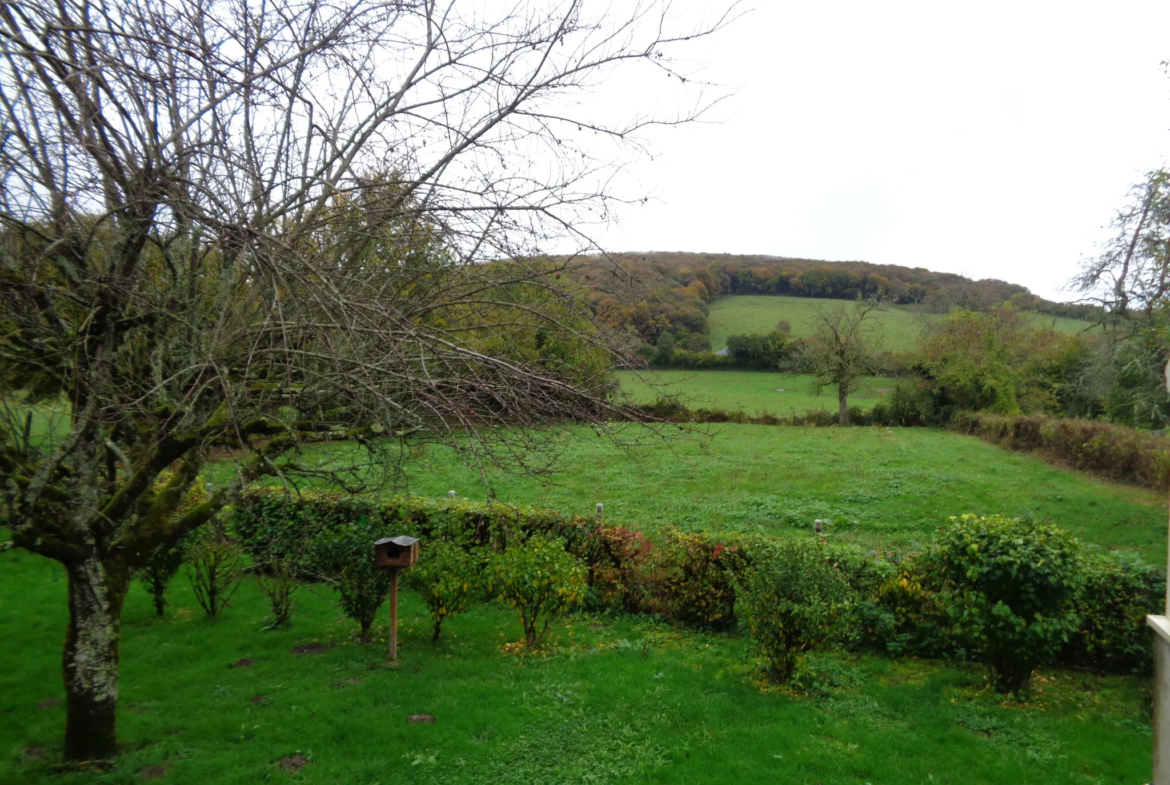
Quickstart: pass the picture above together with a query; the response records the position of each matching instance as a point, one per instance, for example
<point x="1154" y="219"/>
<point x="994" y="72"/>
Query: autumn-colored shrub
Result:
<point x="625" y="578"/>
<point x="1113" y="451"/>
<point x="698" y="571"/>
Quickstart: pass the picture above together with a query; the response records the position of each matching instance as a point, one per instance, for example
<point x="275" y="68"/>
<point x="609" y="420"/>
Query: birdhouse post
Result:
<point x="394" y="554"/>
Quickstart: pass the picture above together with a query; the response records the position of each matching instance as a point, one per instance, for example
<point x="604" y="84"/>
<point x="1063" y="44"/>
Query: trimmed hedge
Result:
<point x="898" y="604"/>
<point x="1112" y="451"/>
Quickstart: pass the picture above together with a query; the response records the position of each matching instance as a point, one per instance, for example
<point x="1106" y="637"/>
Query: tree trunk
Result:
<point x="92" y="645"/>
<point x="842" y="410"/>
<point x="160" y="603"/>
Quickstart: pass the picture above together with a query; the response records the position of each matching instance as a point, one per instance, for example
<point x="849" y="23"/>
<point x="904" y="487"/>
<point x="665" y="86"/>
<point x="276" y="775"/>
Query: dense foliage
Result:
<point x="791" y="601"/>
<point x="448" y="579"/>
<point x="540" y="581"/>
<point x="1009" y="588"/>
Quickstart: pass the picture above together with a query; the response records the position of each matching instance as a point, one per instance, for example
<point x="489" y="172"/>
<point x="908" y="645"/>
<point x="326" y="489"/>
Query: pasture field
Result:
<point x="899" y="325"/>
<point x="612" y="700"/>
<point x="753" y="392"/>
<point x="885" y="487"/>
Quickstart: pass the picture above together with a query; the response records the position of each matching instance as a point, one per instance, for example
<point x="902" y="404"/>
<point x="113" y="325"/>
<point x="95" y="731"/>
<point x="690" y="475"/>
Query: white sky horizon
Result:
<point x="994" y="141"/>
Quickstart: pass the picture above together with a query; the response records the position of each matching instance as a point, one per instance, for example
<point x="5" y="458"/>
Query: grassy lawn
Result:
<point x="878" y="486"/>
<point x="753" y="392"/>
<point x="617" y="700"/>
<point x="900" y="325"/>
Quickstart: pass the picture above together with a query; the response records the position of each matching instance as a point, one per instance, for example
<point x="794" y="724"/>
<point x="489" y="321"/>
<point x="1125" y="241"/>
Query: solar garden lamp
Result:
<point x="394" y="554"/>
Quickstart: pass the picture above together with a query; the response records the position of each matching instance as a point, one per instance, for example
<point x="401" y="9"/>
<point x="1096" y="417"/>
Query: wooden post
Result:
<point x="392" y="647"/>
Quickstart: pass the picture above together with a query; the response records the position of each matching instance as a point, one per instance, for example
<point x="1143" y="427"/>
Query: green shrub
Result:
<point x="215" y="567"/>
<point x="1009" y="588"/>
<point x="164" y="565"/>
<point x="907" y="615"/>
<point x="343" y="556"/>
<point x="1117" y="593"/>
<point x="157" y="574"/>
<point x="447" y="577"/>
<point x="792" y="600"/>
<point x="540" y="580"/>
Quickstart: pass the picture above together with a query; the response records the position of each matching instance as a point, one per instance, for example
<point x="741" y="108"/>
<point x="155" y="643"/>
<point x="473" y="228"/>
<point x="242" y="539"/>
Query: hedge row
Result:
<point x="890" y="413"/>
<point x="1112" y="451"/>
<point x="692" y="578"/>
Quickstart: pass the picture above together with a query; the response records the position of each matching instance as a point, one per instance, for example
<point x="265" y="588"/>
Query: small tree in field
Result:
<point x="215" y="566"/>
<point x="541" y="581"/>
<point x="791" y="601"/>
<point x="341" y="556"/>
<point x="841" y="351"/>
<point x="164" y="565"/>
<point x="448" y="579"/>
<point x="157" y="574"/>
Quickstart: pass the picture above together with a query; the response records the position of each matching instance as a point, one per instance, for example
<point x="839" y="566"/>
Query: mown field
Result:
<point x="879" y="486"/>
<point x="613" y="700"/>
<point x="753" y="392"/>
<point x="899" y="325"/>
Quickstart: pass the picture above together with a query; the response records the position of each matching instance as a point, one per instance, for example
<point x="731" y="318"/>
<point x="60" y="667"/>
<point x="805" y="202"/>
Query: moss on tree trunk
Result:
<point x="92" y="645"/>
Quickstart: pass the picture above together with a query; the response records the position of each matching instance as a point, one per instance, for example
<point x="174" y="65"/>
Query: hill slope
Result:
<point x="900" y="324"/>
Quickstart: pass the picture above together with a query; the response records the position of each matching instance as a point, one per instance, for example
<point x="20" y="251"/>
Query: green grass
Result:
<point x="619" y="700"/>
<point x="753" y="392"/>
<point x="900" y="325"/>
<point x="876" y="486"/>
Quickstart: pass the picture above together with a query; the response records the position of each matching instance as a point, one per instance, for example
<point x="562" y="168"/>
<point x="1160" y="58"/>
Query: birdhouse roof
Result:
<point x="401" y="541"/>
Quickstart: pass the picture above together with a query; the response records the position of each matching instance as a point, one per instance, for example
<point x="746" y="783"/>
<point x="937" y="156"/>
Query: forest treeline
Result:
<point x="652" y="294"/>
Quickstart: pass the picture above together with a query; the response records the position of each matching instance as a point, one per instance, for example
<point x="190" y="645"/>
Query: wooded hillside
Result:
<point x="659" y="293"/>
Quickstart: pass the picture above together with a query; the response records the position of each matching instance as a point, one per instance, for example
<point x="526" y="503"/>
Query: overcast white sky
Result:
<point x="989" y="139"/>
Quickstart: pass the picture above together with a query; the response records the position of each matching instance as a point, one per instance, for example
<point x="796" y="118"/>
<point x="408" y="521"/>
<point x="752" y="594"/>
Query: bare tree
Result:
<point x="1131" y="275"/>
<point x="254" y="227"/>
<point x="841" y="351"/>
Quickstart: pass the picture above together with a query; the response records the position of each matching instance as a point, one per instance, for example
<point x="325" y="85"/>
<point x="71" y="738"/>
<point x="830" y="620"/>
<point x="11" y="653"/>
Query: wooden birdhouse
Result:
<point x="401" y="551"/>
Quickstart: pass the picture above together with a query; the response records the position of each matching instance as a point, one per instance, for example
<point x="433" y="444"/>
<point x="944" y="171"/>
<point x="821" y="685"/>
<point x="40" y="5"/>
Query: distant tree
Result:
<point x="841" y="351"/>
<point x="996" y="361"/>
<point x="758" y="351"/>
<point x="664" y="349"/>
<point x="1130" y="280"/>
<point x="1131" y="275"/>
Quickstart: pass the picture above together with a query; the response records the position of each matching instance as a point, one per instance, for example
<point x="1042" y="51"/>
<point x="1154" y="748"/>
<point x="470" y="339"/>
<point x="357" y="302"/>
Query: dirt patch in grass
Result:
<point x="243" y="662"/>
<point x="293" y="763"/>
<point x="346" y="683"/>
<point x="154" y="772"/>
<point x="50" y="703"/>
<point x="421" y="718"/>
<point x="258" y="699"/>
<point x="311" y="648"/>
<point x="34" y="753"/>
